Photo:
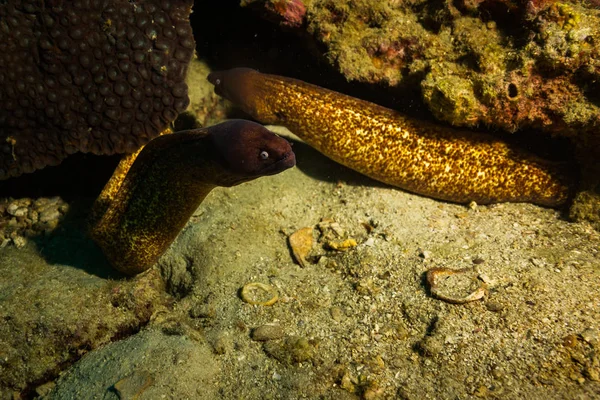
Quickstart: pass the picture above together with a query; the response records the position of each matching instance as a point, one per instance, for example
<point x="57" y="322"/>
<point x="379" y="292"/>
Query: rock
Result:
<point x="292" y="350"/>
<point x="142" y="364"/>
<point x="267" y="332"/>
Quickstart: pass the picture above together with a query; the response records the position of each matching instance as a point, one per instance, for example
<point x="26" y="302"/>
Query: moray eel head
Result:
<point x="248" y="150"/>
<point x="242" y="87"/>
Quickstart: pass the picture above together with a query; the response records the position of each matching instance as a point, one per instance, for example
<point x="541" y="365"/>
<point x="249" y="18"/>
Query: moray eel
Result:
<point x="143" y="208"/>
<point x="418" y="156"/>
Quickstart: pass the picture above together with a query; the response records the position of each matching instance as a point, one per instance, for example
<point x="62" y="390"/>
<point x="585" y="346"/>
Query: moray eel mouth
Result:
<point x="288" y="160"/>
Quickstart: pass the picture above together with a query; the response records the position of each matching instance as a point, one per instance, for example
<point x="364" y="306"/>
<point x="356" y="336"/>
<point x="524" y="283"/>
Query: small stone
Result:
<point x="19" y="241"/>
<point x="337" y="229"/>
<point x="348" y="382"/>
<point x="591" y="336"/>
<point x="538" y="262"/>
<point x="49" y="215"/>
<point x="44" y="389"/>
<point x="41" y="202"/>
<point x="569" y="341"/>
<point x="292" y="350"/>
<point x="222" y="344"/>
<point x="12" y="208"/>
<point x="376" y="363"/>
<point x="336" y="313"/>
<point x="33" y="216"/>
<point x="51" y="225"/>
<point x="54" y="200"/>
<point x="486" y="279"/>
<point x="203" y="311"/>
<point x="494" y="306"/>
<point x="20" y="212"/>
<point x="267" y="332"/>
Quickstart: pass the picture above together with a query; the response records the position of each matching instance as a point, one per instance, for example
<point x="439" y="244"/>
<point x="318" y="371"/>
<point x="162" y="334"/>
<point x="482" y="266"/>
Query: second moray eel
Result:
<point x="418" y="156"/>
<point x="152" y="194"/>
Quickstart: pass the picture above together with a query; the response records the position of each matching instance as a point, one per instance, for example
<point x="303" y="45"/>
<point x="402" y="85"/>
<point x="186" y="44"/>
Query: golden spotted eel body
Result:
<point x="152" y="195"/>
<point x="432" y="160"/>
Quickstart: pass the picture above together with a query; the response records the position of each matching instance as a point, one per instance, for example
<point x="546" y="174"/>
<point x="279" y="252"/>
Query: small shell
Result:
<point x="452" y="290"/>
<point x="255" y="292"/>
<point x="301" y="243"/>
<point x="344" y="245"/>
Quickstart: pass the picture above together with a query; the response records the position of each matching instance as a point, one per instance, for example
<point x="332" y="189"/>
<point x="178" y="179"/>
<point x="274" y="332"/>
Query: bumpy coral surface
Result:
<point x="504" y="64"/>
<point x="100" y="76"/>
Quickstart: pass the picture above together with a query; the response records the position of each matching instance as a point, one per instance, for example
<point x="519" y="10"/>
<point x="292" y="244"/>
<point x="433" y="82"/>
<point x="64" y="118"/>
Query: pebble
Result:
<point x="370" y="242"/>
<point x="328" y="225"/>
<point x="49" y="215"/>
<point x="203" y="311"/>
<point x="17" y="211"/>
<point x="44" y="389"/>
<point x="19" y="242"/>
<point x="336" y="313"/>
<point x="591" y="336"/>
<point x="24" y="218"/>
<point x="478" y="260"/>
<point x="292" y="350"/>
<point x="222" y="344"/>
<point x="267" y="332"/>
<point x="494" y="306"/>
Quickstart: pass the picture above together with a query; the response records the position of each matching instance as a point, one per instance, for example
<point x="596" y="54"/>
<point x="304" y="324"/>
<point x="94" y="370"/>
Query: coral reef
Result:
<point x="91" y="76"/>
<point x="475" y="66"/>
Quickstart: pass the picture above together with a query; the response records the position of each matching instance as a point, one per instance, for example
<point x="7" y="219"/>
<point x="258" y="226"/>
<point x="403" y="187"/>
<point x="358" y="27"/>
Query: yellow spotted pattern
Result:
<point x="421" y="157"/>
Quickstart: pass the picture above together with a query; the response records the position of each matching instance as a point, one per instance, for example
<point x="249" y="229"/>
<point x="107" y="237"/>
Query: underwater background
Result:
<point x="317" y="282"/>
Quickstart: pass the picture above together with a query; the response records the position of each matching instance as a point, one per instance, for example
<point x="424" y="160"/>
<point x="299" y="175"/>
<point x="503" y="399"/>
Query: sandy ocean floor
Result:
<point x="358" y="322"/>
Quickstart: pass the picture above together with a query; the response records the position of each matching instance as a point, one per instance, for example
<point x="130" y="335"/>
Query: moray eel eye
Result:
<point x="264" y="155"/>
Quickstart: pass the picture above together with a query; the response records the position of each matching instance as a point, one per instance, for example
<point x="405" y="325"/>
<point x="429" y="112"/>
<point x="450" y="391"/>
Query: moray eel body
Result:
<point x="432" y="160"/>
<point x="143" y="209"/>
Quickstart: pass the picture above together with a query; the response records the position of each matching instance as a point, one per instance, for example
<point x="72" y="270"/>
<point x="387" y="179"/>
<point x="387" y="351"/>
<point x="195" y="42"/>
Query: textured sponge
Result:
<point x="99" y="76"/>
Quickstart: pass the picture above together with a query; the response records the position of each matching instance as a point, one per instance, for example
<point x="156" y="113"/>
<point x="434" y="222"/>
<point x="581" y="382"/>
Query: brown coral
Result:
<point x="99" y="76"/>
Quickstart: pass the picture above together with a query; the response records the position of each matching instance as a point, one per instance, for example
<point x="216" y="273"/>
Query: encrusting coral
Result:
<point x="99" y="76"/>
